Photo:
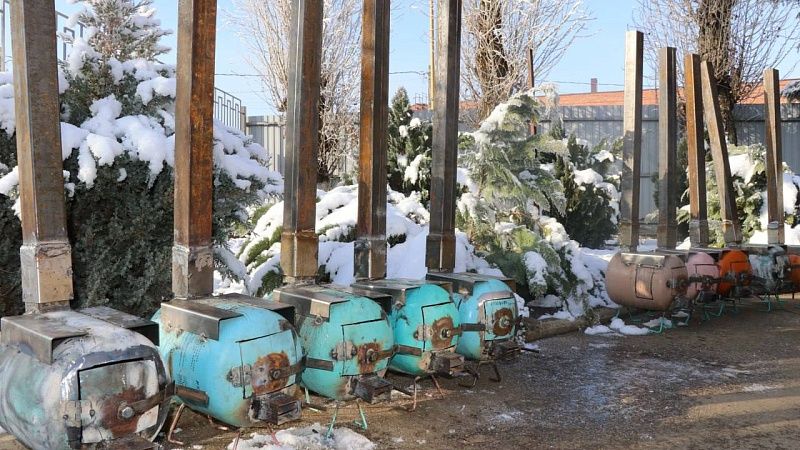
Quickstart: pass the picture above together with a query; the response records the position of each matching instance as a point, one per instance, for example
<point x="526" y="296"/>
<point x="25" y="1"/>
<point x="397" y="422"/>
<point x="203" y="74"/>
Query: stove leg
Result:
<point x="416" y="389"/>
<point x="438" y="388"/>
<point x="363" y="424"/>
<point x="174" y="423"/>
<point x="333" y="421"/>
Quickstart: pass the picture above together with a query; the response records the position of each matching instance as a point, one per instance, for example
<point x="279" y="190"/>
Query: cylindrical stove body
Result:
<point x="701" y="265"/>
<point x="347" y="338"/>
<point x="734" y="265"/>
<point x="488" y="312"/>
<point x="70" y="380"/>
<point x="233" y="357"/>
<point x="648" y="281"/>
<point x="425" y="322"/>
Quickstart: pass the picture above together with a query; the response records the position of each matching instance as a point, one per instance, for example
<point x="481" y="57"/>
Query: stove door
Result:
<point x="262" y="355"/>
<point x="500" y="318"/>
<point x="359" y="342"/>
<point x="438" y="325"/>
<point x="104" y="392"/>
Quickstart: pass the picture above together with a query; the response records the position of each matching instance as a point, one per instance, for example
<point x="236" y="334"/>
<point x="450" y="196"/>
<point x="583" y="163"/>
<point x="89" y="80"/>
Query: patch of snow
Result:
<point x="598" y="329"/>
<point x="306" y="438"/>
<point x="629" y="330"/>
<point x="756" y="387"/>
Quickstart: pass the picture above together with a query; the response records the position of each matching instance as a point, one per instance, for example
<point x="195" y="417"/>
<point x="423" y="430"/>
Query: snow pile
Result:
<point x="406" y="231"/>
<point x="307" y="438"/>
<point x="598" y="329"/>
<point x="791" y="189"/>
<point x="619" y="326"/>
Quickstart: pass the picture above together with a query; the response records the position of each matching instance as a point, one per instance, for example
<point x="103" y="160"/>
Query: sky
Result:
<point x="598" y="55"/>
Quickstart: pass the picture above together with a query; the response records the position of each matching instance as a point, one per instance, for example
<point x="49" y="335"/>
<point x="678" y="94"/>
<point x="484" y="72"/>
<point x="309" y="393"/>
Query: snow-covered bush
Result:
<point x="409" y="143"/>
<point x="591" y="186"/>
<point x="118" y="149"/>
<point x="508" y="211"/>
<point x="749" y="186"/>
<point x="792" y="91"/>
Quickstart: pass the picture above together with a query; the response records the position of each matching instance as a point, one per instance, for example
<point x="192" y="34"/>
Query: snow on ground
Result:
<point x="629" y="330"/>
<point x="598" y="329"/>
<point x="306" y="438"/>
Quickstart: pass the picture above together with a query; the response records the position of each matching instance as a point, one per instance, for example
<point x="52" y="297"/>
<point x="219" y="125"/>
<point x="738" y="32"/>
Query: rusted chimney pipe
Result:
<point x="441" y="248"/>
<point x="370" y="245"/>
<point x="299" y="252"/>
<point x="46" y="260"/>
<point x="698" y="206"/>
<point x="732" y="233"/>
<point x="667" y="233"/>
<point x="632" y="142"/>
<point x="774" y="159"/>
<point x="192" y="252"/>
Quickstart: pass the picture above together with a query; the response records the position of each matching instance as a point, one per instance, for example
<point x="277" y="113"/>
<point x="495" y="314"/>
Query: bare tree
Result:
<point x="263" y="27"/>
<point x="739" y="37"/>
<point x="498" y="35"/>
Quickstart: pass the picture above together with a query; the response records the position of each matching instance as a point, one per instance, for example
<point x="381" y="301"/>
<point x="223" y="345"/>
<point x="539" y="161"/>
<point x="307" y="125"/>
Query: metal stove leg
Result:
<point x="333" y="421"/>
<point x="363" y="423"/>
<point x="438" y="388"/>
<point x="174" y="424"/>
<point x="236" y="441"/>
<point x="414" y="404"/>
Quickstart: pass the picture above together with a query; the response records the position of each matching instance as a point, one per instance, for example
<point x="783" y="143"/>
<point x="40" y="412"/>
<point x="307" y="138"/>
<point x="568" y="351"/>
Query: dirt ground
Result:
<point x="729" y="383"/>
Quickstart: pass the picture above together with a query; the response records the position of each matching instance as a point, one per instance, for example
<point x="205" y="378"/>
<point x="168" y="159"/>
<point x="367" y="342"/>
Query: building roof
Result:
<point x="649" y="97"/>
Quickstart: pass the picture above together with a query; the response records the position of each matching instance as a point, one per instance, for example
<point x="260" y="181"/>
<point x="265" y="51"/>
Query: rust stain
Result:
<point x="442" y="332"/>
<point x="503" y="322"/>
<point x="260" y="377"/>
<point x="367" y="357"/>
<point x="110" y="408"/>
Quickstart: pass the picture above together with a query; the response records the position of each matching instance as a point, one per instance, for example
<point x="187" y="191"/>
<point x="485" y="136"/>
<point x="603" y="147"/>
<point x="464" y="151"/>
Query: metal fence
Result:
<point x="596" y="123"/>
<point x="228" y="108"/>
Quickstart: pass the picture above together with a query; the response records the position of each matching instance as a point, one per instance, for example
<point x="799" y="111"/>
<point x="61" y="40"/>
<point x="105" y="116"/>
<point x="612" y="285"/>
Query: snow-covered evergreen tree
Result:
<point x="792" y="91"/>
<point x="409" y="144"/>
<point x="118" y="149"/>
<point x="507" y="213"/>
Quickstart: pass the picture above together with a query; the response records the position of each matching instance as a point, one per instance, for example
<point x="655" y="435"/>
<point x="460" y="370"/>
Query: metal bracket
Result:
<point x="146" y="328"/>
<point x="37" y="334"/>
<point x="195" y="317"/>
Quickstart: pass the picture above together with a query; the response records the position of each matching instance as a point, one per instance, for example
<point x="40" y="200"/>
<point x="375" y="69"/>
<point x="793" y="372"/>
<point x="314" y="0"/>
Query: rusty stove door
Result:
<point x="104" y="391"/>
<point x="359" y="341"/>
<point x="438" y="326"/>
<point x="499" y="318"/>
<point x="258" y="363"/>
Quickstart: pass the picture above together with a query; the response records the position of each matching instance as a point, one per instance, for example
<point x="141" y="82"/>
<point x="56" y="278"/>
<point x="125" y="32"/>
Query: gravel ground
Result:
<point x="728" y="383"/>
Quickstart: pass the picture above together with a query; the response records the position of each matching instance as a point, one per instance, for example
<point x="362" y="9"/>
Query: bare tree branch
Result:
<point x="497" y="36"/>
<point x="739" y="37"/>
<point x="263" y="27"/>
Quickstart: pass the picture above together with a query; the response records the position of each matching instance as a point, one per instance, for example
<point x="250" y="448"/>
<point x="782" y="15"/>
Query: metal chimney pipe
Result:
<point x="732" y="233"/>
<point x="192" y="252"/>
<point x="441" y="248"/>
<point x="370" y="245"/>
<point x="632" y="142"/>
<point x="667" y="233"/>
<point x="299" y="252"/>
<point x="698" y="206"/>
<point x="46" y="257"/>
<point x="774" y="160"/>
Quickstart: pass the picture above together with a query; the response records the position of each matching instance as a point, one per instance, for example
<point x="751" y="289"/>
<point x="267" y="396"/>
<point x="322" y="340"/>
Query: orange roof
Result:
<point x="649" y="97"/>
